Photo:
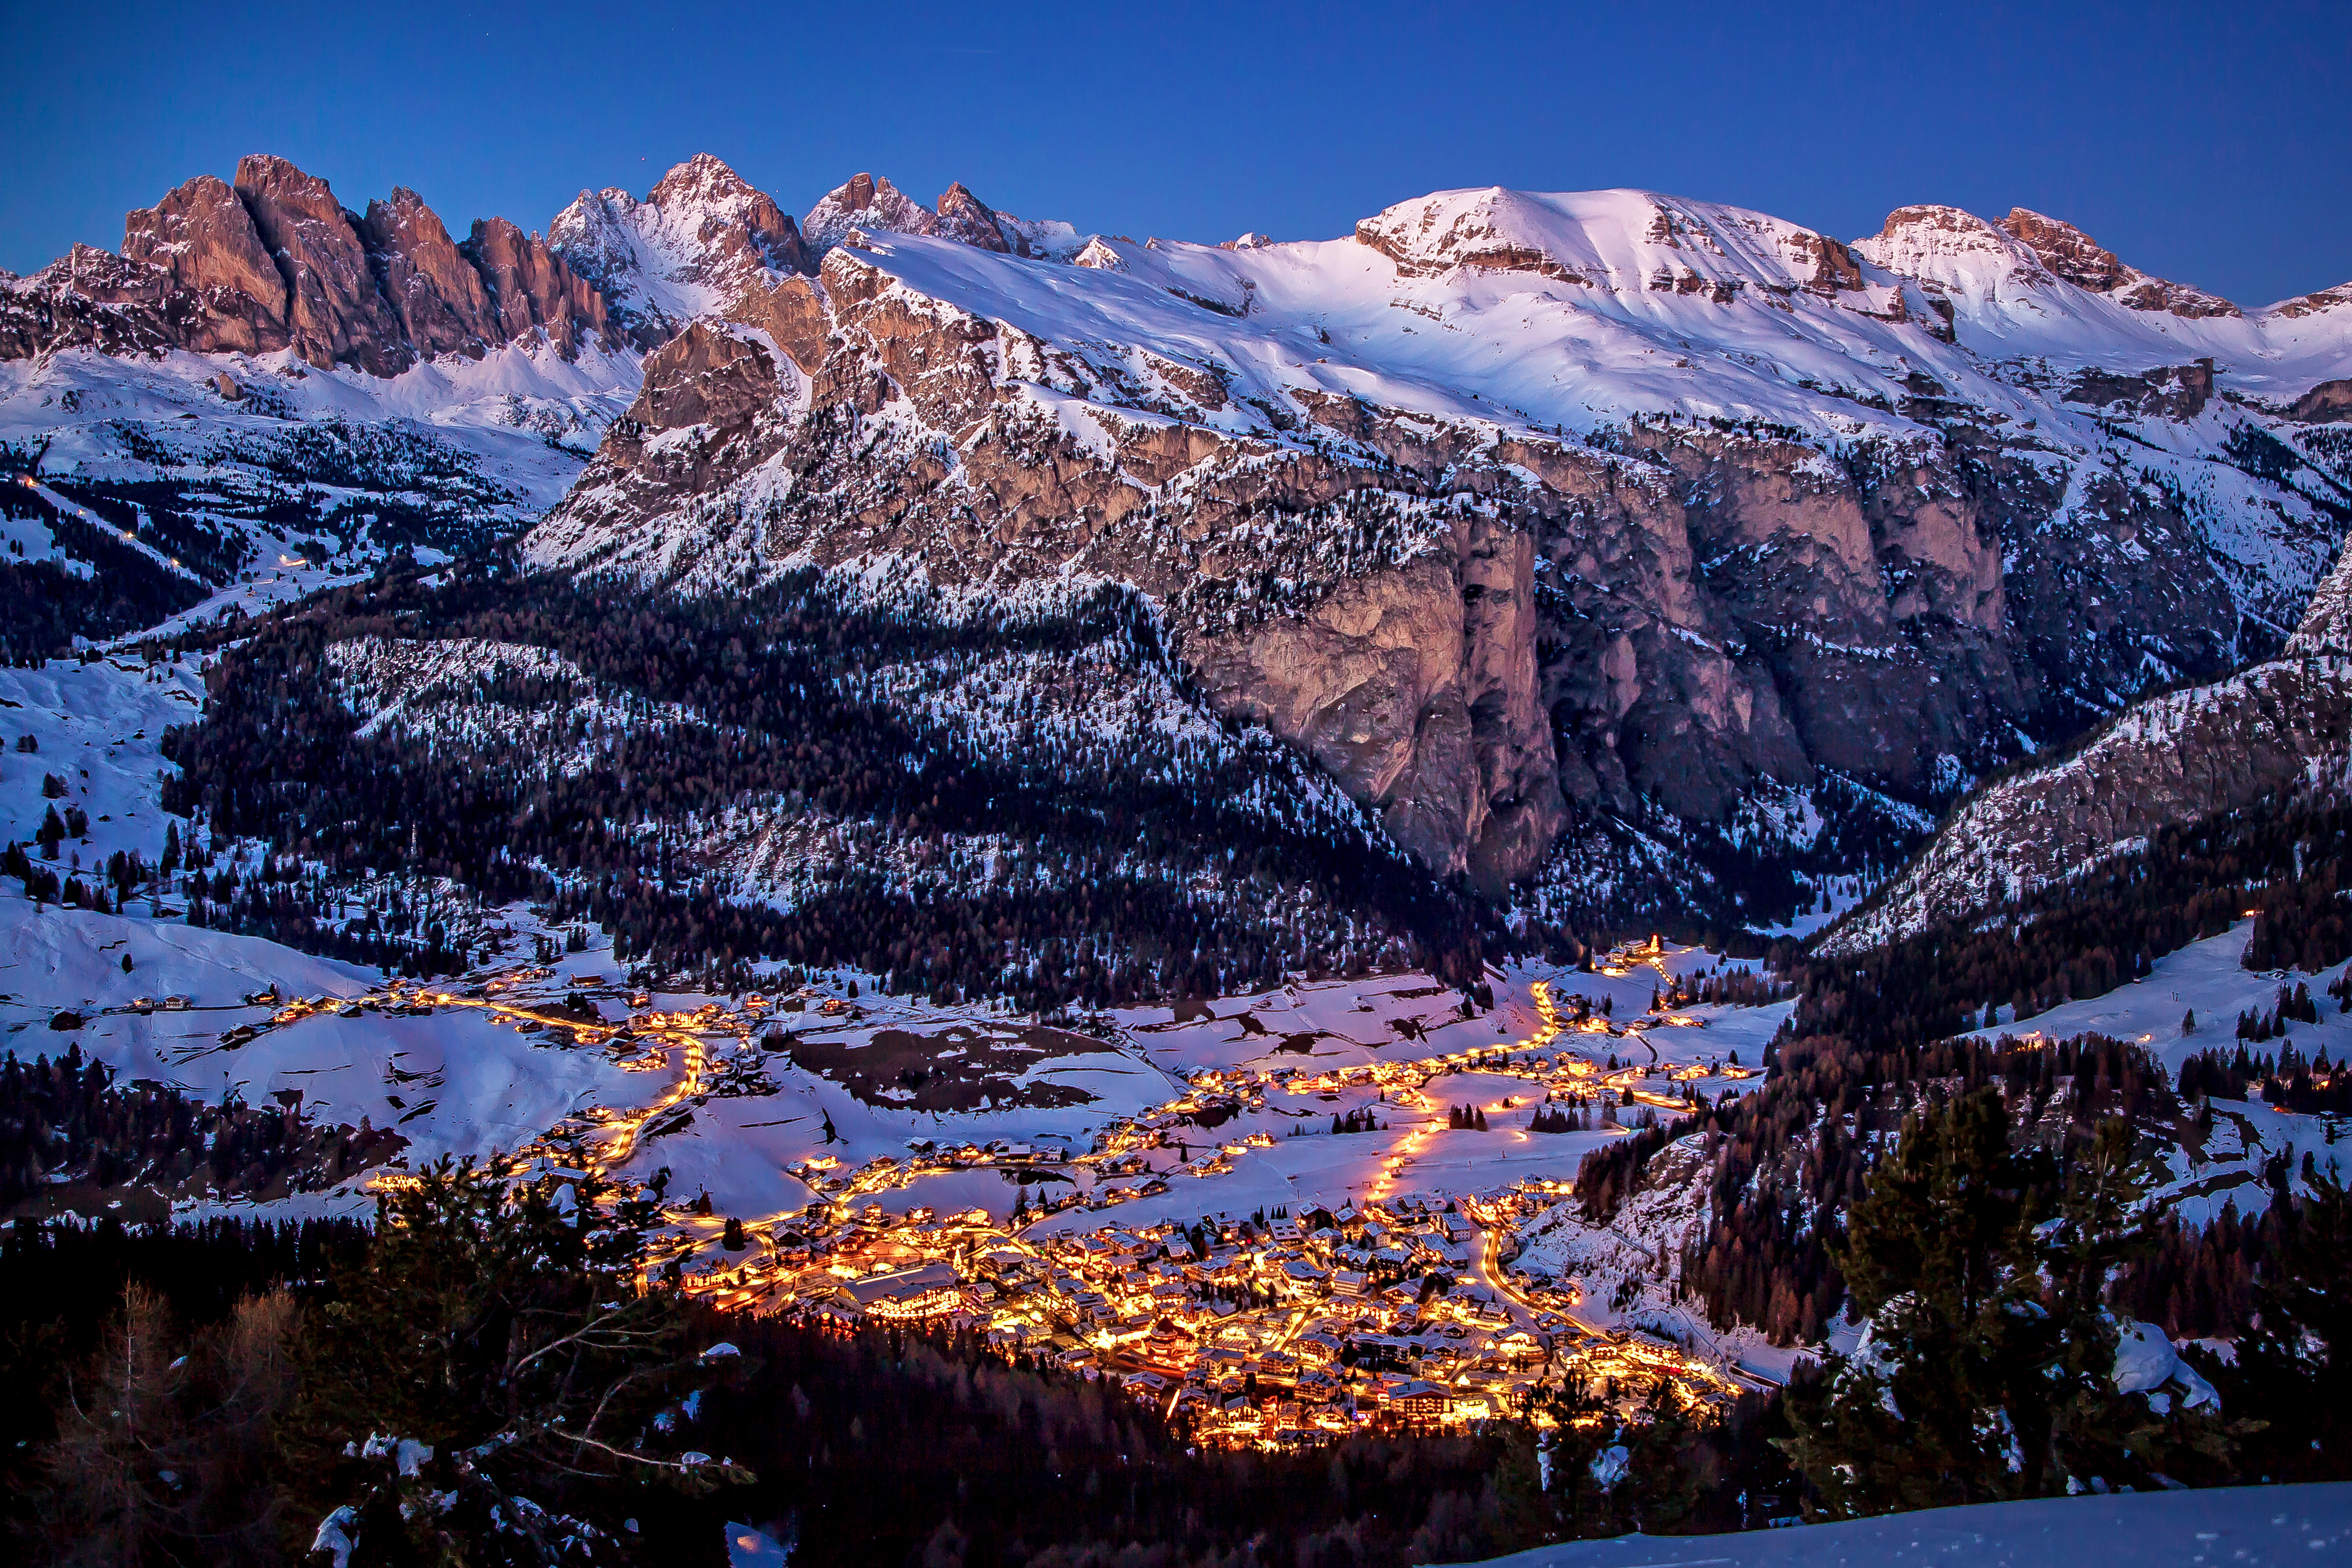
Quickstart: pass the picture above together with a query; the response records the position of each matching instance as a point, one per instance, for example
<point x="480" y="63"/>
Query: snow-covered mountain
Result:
<point x="690" y="248"/>
<point x="265" y="390"/>
<point x="1515" y="510"/>
<point x="1573" y="533"/>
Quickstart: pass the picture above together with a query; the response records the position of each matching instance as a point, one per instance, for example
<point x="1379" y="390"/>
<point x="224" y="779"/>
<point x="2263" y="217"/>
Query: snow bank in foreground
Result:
<point x="2246" y="1527"/>
<point x="2240" y="1524"/>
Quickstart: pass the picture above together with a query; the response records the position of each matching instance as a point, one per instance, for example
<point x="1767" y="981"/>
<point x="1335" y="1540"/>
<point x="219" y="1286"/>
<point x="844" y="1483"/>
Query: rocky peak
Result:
<point x="275" y="262"/>
<point x="965" y="216"/>
<point x="731" y="222"/>
<point x="436" y="293"/>
<point x="529" y="288"/>
<point x="875" y="205"/>
<point x="2313" y="303"/>
<point x="2067" y="251"/>
<point x="335" y="312"/>
<point x="2074" y="256"/>
<point x="1953" y="248"/>
<point x="202" y="239"/>
<point x="701" y="240"/>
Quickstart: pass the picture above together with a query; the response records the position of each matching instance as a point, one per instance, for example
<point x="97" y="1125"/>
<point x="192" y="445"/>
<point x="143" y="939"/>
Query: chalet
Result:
<point x="1420" y="1402"/>
<point x="929" y="1291"/>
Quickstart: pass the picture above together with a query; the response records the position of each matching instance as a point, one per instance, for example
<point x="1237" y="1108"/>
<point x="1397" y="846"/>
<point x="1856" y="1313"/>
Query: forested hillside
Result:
<point x="1028" y="805"/>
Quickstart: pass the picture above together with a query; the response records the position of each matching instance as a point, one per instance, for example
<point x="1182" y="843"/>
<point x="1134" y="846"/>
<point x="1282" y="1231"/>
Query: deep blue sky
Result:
<point x="2203" y="142"/>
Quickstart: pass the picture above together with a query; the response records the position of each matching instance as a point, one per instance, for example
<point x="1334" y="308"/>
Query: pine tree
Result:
<point x="502" y="1323"/>
<point x="1987" y="1370"/>
<point x="2296" y="1361"/>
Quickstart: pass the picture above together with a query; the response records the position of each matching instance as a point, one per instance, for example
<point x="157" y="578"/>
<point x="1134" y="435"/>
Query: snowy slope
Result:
<point x="1580" y="309"/>
<point x="2010" y="306"/>
<point x="2283" y="725"/>
<point x="2254" y="1526"/>
<point x="98" y="728"/>
<point x="523" y="417"/>
<point x="254" y="478"/>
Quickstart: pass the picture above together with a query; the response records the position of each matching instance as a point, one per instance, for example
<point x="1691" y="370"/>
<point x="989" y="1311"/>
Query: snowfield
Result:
<point x="2255" y="1527"/>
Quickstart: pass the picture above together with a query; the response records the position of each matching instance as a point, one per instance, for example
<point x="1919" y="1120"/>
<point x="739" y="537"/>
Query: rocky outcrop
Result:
<point x="276" y="262"/>
<point x="2068" y="252"/>
<point x="94" y="299"/>
<point x="2074" y="256"/>
<point x="2329" y="403"/>
<point x="529" y="289"/>
<point x="2171" y="392"/>
<point x="1416" y="689"/>
<point x="436" y="294"/>
<point x="866" y="203"/>
<point x="202" y="237"/>
<point x="335" y="313"/>
<point x="964" y="216"/>
<point x="2314" y="303"/>
<point x="706" y="382"/>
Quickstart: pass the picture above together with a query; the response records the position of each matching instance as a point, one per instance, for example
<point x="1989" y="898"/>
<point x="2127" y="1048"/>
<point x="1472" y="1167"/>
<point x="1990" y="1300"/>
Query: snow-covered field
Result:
<point x="2239" y="1527"/>
<point x="2205" y="977"/>
<point x="464" y="1077"/>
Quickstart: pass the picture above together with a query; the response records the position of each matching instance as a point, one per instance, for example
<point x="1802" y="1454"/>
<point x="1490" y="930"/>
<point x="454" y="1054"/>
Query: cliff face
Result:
<point x="1479" y="627"/>
<point x="202" y="238"/>
<point x="2277" y="727"/>
<point x="436" y="296"/>
<point x="274" y="261"/>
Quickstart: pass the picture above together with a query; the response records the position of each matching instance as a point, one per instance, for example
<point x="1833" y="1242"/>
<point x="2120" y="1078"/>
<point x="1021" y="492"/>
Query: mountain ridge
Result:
<point x="1730" y="602"/>
<point x="1540" y="521"/>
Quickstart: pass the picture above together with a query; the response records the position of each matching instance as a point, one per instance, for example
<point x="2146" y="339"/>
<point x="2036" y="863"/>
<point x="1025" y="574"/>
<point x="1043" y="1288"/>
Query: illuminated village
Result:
<point x="1122" y="1256"/>
<point x="1258" y="1328"/>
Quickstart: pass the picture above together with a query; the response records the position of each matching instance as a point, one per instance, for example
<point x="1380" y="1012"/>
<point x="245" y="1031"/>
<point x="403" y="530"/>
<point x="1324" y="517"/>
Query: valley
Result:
<point x="1577" y="862"/>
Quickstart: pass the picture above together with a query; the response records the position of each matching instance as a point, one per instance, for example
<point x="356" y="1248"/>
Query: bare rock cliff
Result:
<point x="334" y="309"/>
<point x="275" y="261"/>
<point x="202" y="238"/>
<point x="436" y="294"/>
<point x="1471" y="634"/>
